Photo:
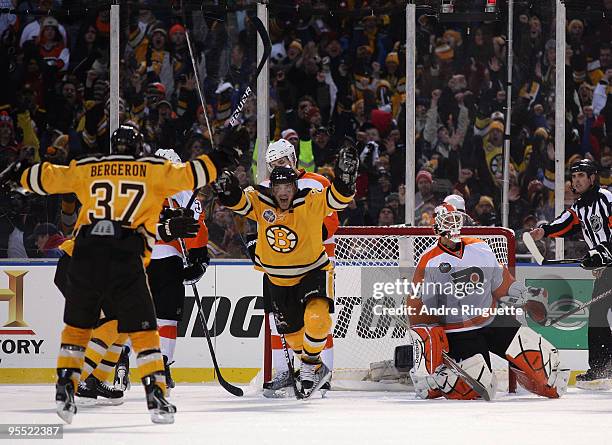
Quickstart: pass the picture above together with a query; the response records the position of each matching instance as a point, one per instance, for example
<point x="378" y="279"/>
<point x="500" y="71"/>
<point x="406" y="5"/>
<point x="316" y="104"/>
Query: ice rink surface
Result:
<point x="209" y="415"/>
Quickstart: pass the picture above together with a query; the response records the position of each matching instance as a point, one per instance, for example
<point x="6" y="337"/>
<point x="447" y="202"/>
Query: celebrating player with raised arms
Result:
<point x="282" y="154"/>
<point x="298" y="281"/>
<point x="122" y="196"/>
<point x="457" y="313"/>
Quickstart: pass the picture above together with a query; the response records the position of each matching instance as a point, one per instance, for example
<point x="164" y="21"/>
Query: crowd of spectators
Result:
<point x="337" y="69"/>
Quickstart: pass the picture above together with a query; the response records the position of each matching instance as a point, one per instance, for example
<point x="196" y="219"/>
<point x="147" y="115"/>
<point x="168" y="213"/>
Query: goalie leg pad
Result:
<point x="454" y="387"/>
<point x="538" y="364"/>
<point x="428" y="344"/>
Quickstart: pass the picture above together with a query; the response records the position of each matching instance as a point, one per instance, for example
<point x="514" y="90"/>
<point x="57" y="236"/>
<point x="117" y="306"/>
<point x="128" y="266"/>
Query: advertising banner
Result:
<point x="31" y="310"/>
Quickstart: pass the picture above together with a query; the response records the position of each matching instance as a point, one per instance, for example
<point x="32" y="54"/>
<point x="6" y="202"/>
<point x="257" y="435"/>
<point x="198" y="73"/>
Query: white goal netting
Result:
<point x="364" y="342"/>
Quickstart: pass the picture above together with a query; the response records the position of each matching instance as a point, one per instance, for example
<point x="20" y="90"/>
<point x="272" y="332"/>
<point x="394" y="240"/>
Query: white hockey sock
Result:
<point x="167" y="336"/>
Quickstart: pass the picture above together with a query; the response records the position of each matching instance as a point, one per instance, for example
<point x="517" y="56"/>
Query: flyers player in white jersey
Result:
<point x="282" y="154"/>
<point x="457" y="311"/>
<point x="167" y="275"/>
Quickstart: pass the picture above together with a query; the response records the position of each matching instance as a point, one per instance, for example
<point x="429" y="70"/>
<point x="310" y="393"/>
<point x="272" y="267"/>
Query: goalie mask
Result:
<point x="448" y="222"/>
<point x="279" y="150"/>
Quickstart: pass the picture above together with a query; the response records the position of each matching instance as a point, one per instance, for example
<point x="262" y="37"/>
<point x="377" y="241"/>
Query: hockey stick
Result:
<point x="298" y="394"/>
<point x="579" y="308"/>
<point x="475" y="384"/>
<point x="224" y="383"/>
<point x="448" y="361"/>
<point x="537" y="255"/>
<point x="267" y="50"/>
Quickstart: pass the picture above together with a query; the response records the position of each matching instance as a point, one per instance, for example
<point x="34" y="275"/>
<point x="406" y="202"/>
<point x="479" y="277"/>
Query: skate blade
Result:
<point x="85" y="401"/>
<point x="110" y="402"/>
<point x="326" y="378"/>
<point x="65" y="414"/>
<point x="595" y="385"/>
<point x="163" y="417"/>
<point x="283" y="393"/>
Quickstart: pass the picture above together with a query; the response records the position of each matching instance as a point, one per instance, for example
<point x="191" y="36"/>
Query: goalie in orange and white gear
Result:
<point x="462" y="288"/>
<point x="281" y="153"/>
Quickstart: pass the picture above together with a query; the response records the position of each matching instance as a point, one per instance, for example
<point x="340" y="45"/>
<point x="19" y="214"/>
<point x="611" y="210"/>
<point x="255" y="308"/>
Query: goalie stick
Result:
<point x="451" y="363"/>
<point x="224" y="383"/>
<point x="578" y="308"/>
<point x="537" y="255"/>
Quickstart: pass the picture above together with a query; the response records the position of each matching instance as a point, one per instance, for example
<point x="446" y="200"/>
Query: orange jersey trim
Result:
<point x="575" y="221"/>
<point x="331" y="222"/>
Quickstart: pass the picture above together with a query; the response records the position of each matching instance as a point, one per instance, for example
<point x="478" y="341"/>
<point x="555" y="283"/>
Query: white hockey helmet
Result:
<point x="456" y="201"/>
<point x="278" y="150"/>
<point x="169" y="154"/>
<point x="448" y="222"/>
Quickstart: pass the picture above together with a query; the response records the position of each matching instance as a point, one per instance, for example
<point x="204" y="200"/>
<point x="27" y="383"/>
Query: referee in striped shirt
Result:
<point x="593" y="213"/>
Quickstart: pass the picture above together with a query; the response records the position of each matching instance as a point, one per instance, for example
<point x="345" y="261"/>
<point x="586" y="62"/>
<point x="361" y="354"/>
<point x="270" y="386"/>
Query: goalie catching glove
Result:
<point x="599" y="256"/>
<point x="197" y="263"/>
<point x="533" y="300"/>
<point x="177" y="223"/>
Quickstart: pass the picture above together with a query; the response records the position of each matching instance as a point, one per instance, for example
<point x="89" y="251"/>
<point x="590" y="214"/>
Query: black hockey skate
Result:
<point x="280" y="386"/>
<point x="160" y="409"/>
<point x="93" y="391"/>
<point x="122" y="370"/>
<point x="169" y="382"/>
<point x="595" y="380"/>
<point x="64" y="395"/>
<point x="313" y="376"/>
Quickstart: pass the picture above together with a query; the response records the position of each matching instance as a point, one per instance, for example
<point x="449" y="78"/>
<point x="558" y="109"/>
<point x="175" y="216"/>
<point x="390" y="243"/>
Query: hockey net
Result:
<point x="364" y="343"/>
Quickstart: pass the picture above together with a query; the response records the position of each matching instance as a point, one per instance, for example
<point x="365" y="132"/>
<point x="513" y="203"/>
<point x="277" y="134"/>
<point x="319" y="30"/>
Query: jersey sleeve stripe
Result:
<point x="334" y="201"/>
<point x="201" y="177"/>
<point x="562" y="226"/>
<point x="34" y="180"/>
<point x="246" y="207"/>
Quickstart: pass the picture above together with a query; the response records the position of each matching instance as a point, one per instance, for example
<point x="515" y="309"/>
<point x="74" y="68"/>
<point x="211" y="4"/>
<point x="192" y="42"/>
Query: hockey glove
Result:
<point x="599" y="256"/>
<point x="234" y="143"/>
<point x="533" y="300"/>
<point x="175" y="227"/>
<point x="347" y="166"/>
<point x="13" y="172"/>
<point x="198" y="261"/>
<point x="251" y="244"/>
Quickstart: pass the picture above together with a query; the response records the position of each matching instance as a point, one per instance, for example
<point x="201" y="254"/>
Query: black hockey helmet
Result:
<point x="127" y="140"/>
<point x="587" y="166"/>
<point x="584" y="165"/>
<point x="283" y="175"/>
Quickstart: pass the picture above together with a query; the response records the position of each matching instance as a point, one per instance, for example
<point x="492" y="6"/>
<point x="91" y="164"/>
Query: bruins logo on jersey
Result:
<point x="281" y="238"/>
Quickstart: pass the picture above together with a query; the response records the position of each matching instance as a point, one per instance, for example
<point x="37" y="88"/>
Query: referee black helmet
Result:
<point x="587" y="166"/>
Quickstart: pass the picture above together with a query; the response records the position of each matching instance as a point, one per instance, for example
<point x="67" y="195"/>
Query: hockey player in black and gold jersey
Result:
<point x="121" y="196"/>
<point x="298" y="280"/>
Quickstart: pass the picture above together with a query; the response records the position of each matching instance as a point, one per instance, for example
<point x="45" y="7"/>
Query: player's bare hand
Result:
<point x="537" y="234"/>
